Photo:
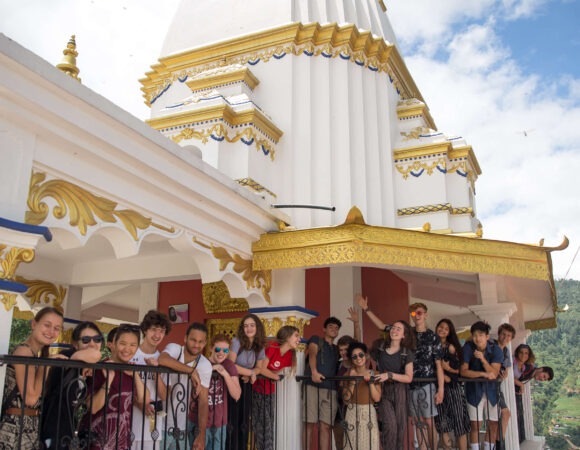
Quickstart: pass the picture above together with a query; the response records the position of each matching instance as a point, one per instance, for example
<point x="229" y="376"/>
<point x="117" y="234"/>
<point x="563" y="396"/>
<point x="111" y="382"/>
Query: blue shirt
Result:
<point x="474" y="390"/>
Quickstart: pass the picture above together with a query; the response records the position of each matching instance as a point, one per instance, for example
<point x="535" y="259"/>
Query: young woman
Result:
<point x="64" y="389"/>
<point x="280" y="354"/>
<point x="524" y="365"/>
<point x="19" y="427"/>
<point x="247" y="352"/>
<point x="362" y="427"/>
<point x="224" y="383"/>
<point x="113" y="393"/>
<point x="452" y="413"/>
<point x="395" y="356"/>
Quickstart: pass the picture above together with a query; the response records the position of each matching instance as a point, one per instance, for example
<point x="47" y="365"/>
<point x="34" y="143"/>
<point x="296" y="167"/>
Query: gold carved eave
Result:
<point x="364" y="244"/>
<point x="416" y="109"/>
<point x="243" y="74"/>
<point x="294" y="38"/>
<point x="219" y="112"/>
<point x="467" y="153"/>
<point x="419" y="151"/>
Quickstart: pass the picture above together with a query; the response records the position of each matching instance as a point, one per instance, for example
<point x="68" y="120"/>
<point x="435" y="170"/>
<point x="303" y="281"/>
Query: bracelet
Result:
<point x="390" y="375"/>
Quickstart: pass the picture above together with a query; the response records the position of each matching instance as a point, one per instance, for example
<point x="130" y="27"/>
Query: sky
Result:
<point x="504" y="74"/>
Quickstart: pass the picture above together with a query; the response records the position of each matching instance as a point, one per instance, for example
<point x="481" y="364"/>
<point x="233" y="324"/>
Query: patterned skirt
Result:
<point x="452" y="413"/>
<point x="362" y="428"/>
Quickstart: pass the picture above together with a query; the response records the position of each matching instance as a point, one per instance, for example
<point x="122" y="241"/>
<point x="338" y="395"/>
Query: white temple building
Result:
<point x="289" y="162"/>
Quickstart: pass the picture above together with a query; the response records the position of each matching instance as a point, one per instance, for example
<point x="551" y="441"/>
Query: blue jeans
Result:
<point x="186" y="441"/>
<point x="215" y="438"/>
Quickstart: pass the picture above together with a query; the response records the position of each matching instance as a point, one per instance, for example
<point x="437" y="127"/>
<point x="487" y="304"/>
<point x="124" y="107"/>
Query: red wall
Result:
<point x="317" y="298"/>
<point x="388" y="298"/>
<point x="185" y="292"/>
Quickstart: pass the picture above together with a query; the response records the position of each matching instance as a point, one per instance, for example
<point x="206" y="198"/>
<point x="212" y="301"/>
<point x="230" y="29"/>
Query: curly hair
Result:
<point x="259" y="341"/>
<point x="408" y="340"/>
<point x="532" y="358"/>
<point x="154" y="318"/>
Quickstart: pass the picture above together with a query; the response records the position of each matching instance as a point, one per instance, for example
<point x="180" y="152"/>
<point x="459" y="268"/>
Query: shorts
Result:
<point x="483" y="411"/>
<point x="320" y="404"/>
<point x="422" y="401"/>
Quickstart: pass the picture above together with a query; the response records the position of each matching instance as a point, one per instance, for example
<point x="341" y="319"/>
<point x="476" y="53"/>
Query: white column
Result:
<point x="147" y="298"/>
<point x="344" y="283"/>
<point x="288" y="287"/>
<point x="73" y="303"/>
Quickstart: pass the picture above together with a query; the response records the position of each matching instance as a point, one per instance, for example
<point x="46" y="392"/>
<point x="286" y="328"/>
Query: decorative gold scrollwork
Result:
<point x="272" y="325"/>
<point x="40" y="291"/>
<point x="217" y="299"/>
<point x="8" y="299"/>
<point x="82" y="206"/>
<point x="11" y="259"/>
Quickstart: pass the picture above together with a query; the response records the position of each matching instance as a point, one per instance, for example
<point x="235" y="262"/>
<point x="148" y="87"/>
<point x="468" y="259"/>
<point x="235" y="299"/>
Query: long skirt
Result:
<point x="393" y="414"/>
<point x="362" y="427"/>
<point x="452" y="415"/>
<point x="263" y="421"/>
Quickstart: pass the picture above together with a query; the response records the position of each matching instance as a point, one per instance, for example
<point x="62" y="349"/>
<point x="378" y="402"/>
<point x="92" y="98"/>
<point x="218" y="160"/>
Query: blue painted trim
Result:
<point x="13" y="286"/>
<point x="283" y="309"/>
<point x="26" y="228"/>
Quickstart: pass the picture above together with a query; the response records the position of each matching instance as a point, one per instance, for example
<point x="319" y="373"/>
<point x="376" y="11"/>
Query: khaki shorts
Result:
<point x="320" y="404"/>
<point x="483" y="411"/>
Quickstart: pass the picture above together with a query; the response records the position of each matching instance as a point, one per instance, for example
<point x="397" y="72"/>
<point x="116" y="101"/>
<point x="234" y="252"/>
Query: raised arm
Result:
<point x="363" y="302"/>
<point x="354" y="318"/>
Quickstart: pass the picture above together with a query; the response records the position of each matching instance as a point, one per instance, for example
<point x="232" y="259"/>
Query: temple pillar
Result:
<point x="288" y="421"/>
<point x="18" y="243"/>
<point x="345" y="282"/>
<point x="147" y="298"/>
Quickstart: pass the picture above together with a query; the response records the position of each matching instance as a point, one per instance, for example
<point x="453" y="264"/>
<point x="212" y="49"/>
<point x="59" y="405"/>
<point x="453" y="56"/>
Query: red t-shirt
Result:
<point x="276" y="362"/>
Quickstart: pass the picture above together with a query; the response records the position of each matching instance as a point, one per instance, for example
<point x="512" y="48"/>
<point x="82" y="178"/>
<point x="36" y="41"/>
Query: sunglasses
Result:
<point x="219" y="349"/>
<point x="96" y="339"/>
<point x="356" y="356"/>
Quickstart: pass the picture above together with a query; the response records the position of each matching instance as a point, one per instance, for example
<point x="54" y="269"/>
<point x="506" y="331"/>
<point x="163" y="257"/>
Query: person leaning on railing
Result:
<point x="23" y="385"/>
<point x="63" y="391"/>
<point x="280" y="354"/>
<point x="395" y="356"/>
<point x="359" y="395"/>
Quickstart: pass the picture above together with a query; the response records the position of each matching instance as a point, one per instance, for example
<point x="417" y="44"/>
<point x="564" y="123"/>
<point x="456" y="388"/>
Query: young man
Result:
<point x="424" y="396"/>
<point x="505" y="334"/>
<point x="320" y="398"/>
<point x="148" y="430"/>
<point x="187" y="359"/>
<point x="482" y="359"/>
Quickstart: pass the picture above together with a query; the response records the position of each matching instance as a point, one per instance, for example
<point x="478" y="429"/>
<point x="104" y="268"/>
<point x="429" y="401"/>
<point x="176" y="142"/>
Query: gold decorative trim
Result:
<point x="68" y="64"/>
<point x="542" y="324"/>
<point x="463" y="210"/>
<point x="216" y="299"/>
<point x="11" y="259"/>
<point x="82" y="206"/>
<point x="417" y="168"/>
<point x="255" y="186"/>
<point x="221" y="77"/>
<point x="365" y="244"/>
<point x="8" y="299"/>
<point x="354" y="216"/>
<point x="272" y="325"/>
<point x="329" y="40"/>
<point x="467" y="154"/>
<point x="424" y="209"/>
<point x="229" y="327"/>
<point x="407" y="109"/>
<point x="255" y="279"/>
<point x="421" y="151"/>
<point x="382" y="5"/>
<point x="40" y="291"/>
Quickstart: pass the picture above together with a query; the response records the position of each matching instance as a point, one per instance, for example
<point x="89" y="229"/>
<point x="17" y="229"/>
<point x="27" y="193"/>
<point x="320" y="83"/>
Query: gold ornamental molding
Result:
<point x="217" y="299"/>
<point x="229" y="327"/>
<point x="411" y="108"/>
<point x="345" y="42"/>
<point x="353" y="243"/>
<point x="43" y="292"/>
<point x="8" y="299"/>
<point x="11" y="258"/>
<point x="272" y="325"/>
<point x="413" y="210"/>
<point x="542" y="324"/>
<point x="255" y="279"/>
<point x="254" y="185"/>
<point x="84" y="208"/>
<point x="222" y="77"/>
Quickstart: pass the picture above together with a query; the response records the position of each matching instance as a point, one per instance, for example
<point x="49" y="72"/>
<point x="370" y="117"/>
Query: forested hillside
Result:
<point x="556" y="403"/>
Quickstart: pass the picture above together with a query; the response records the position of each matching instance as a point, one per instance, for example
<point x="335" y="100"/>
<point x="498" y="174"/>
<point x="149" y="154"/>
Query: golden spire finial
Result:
<point x="69" y="61"/>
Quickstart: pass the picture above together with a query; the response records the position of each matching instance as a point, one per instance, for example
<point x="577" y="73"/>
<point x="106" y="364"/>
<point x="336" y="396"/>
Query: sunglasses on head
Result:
<point x="96" y="339"/>
<point x="219" y="349"/>
<point x="355" y="356"/>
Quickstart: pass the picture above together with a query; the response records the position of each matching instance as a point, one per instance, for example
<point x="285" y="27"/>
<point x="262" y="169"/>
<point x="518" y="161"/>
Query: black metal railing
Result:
<point x="404" y="418"/>
<point x="99" y="406"/>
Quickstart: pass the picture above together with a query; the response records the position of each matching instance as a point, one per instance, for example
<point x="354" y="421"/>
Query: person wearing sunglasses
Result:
<point x="359" y="395"/>
<point x="154" y="327"/>
<point x="58" y="421"/>
<point x="224" y="382"/>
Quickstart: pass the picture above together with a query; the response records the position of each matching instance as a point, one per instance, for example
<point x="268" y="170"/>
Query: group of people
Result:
<point x="413" y="375"/>
<point x="122" y="405"/>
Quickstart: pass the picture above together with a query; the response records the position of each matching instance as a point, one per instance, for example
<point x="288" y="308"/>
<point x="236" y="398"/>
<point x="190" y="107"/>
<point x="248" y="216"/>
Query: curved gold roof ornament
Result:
<point x="69" y="60"/>
<point x="562" y="246"/>
<point x="354" y="216"/>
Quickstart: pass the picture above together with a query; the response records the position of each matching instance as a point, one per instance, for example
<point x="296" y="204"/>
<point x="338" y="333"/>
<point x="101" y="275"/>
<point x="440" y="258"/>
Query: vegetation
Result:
<point x="556" y="404"/>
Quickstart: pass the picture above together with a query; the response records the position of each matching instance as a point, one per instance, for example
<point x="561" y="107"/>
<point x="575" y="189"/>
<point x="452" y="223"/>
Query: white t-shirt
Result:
<point x="142" y="430"/>
<point x="178" y="385"/>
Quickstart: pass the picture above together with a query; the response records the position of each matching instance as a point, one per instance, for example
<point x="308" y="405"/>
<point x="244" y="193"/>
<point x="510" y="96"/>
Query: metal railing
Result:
<point x="70" y="415"/>
<point x="405" y="418"/>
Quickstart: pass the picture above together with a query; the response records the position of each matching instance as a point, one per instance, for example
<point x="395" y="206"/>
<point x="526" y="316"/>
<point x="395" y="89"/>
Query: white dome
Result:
<point x="201" y="22"/>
